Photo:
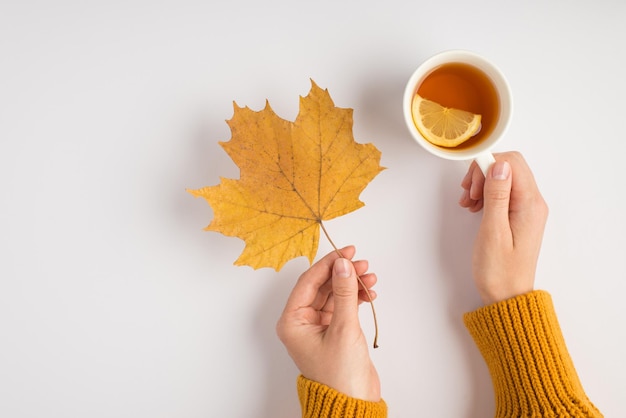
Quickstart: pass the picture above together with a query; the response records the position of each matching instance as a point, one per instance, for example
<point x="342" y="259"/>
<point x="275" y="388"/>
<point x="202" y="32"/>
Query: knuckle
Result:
<point x="280" y="329"/>
<point x="344" y="292"/>
<point x="498" y="195"/>
<point x="541" y="207"/>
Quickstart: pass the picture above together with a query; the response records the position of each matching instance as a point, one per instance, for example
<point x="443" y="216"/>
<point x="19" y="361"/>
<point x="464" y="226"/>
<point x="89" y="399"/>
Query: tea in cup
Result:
<point x="457" y="105"/>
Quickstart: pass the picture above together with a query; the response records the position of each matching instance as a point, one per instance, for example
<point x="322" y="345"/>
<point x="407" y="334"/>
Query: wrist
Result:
<point x="492" y="296"/>
<point x="360" y="384"/>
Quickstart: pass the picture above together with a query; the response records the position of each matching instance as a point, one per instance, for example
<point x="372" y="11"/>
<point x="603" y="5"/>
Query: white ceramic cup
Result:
<point x="481" y="152"/>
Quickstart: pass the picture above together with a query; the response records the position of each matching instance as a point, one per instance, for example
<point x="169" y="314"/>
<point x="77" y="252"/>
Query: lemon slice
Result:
<point x="443" y="126"/>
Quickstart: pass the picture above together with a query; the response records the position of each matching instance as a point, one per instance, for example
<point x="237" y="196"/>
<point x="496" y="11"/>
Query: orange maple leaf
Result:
<point x="293" y="176"/>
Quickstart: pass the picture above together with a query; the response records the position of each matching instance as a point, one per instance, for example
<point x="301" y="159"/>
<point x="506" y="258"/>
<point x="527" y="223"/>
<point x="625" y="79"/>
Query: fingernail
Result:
<point x="341" y="268"/>
<point x="501" y="170"/>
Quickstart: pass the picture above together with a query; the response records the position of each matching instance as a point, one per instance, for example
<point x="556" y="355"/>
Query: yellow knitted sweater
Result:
<point x="522" y="344"/>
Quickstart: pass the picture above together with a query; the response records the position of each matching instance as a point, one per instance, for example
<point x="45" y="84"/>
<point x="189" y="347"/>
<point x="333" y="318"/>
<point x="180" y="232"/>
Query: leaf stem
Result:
<point x="367" y="292"/>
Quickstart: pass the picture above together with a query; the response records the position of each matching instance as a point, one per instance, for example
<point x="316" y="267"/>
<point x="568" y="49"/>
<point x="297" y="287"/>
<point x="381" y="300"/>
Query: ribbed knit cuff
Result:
<point x="532" y="372"/>
<point x="320" y="401"/>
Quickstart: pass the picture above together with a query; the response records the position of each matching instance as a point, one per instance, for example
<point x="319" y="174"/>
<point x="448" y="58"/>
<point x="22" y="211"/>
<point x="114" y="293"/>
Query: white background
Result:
<point x="115" y="303"/>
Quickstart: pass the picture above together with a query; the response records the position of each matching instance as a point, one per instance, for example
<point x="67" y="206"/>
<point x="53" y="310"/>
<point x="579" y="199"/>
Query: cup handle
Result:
<point x="484" y="161"/>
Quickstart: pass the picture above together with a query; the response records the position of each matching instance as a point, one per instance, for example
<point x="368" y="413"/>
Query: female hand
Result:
<point x="509" y="238"/>
<point x="321" y="330"/>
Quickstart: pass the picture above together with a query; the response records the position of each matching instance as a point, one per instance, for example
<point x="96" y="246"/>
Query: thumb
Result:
<point x="497" y="195"/>
<point x="345" y="293"/>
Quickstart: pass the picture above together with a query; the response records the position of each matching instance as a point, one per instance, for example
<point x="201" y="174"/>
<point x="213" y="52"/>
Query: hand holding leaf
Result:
<point x="294" y="175"/>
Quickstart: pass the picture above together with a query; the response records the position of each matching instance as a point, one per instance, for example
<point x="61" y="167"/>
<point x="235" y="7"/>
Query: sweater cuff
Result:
<point x="531" y="369"/>
<point x="320" y="401"/>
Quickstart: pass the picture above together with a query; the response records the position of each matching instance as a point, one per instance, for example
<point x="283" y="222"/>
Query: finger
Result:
<point x="364" y="297"/>
<point x="464" y="200"/>
<point x="478" y="183"/>
<point x="472" y="184"/>
<point x="365" y="281"/>
<point x="345" y="294"/>
<point x="476" y="205"/>
<point x="472" y="205"/>
<point x="323" y="299"/>
<point x="524" y="187"/>
<point x="528" y="209"/>
<point x="308" y="290"/>
<point x="466" y="183"/>
<point x="368" y="280"/>
<point x="360" y="266"/>
<point x="496" y="196"/>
